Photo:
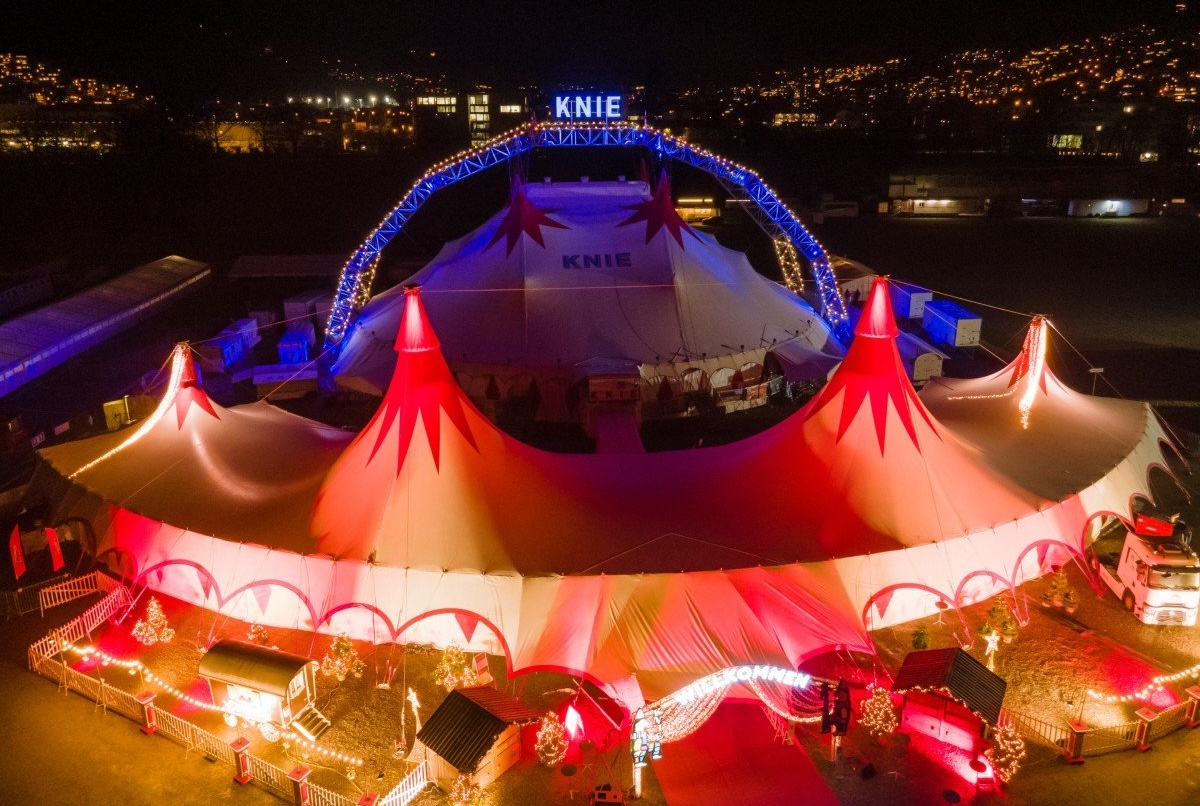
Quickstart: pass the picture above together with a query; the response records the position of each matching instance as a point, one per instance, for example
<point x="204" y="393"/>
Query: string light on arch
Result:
<point x="779" y="221"/>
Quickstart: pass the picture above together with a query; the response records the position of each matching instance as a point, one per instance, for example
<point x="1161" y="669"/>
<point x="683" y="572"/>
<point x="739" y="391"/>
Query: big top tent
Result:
<point x="576" y="272"/>
<point x="644" y="571"/>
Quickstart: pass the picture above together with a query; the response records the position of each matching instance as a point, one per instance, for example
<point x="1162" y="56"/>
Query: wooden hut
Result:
<point x="950" y="696"/>
<point x="476" y="731"/>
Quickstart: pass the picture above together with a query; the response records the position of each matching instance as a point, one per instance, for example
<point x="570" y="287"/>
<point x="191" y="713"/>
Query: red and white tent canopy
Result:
<point x="860" y="510"/>
<point x="576" y="271"/>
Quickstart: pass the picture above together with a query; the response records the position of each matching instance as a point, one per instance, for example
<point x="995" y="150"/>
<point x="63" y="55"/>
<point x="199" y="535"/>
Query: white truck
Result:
<point x="1155" y="574"/>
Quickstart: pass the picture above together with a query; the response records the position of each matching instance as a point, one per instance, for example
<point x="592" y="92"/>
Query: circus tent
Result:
<point x="860" y="510"/>
<point x="574" y="272"/>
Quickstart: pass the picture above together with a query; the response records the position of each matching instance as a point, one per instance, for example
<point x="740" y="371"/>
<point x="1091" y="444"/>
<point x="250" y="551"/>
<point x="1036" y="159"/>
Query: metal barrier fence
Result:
<point x="1039" y="730"/>
<point x="68" y="591"/>
<point x="1111" y="738"/>
<point x="14" y="604"/>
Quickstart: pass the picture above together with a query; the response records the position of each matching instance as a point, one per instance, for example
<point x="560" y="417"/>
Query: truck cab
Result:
<point x="1156" y="576"/>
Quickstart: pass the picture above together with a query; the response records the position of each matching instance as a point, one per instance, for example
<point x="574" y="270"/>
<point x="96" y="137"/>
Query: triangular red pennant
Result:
<point x="56" y="558"/>
<point x="262" y="595"/>
<point x="882" y="601"/>
<point x="17" y="552"/>
<point x="1041" y="555"/>
<point x="205" y="585"/>
<point x="467" y="622"/>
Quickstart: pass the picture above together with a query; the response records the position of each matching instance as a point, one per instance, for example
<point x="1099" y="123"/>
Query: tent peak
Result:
<point x="877" y="320"/>
<point x="415" y="334"/>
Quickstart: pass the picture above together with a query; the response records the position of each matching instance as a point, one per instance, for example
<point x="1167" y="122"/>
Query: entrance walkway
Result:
<point x="735" y="758"/>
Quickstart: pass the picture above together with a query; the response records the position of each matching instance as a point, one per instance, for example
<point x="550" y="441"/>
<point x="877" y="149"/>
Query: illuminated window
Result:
<point x="510" y="109"/>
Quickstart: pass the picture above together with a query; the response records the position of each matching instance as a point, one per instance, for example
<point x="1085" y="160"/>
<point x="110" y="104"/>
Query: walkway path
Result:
<point x="735" y="758"/>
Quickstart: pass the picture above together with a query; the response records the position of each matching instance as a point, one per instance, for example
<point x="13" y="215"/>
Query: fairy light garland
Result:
<point x="178" y="359"/>
<point x="1156" y="684"/>
<point x="150" y="677"/>
<point x="1037" y="367"/>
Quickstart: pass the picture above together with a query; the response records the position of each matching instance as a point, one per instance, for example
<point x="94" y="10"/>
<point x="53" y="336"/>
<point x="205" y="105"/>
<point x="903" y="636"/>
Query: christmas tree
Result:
<point x="464" y="791"/>
<point x="153" y="629"/>
<point x="1000" y="620"/>
<point x="552" y="743"/>
<point x="1006" y="752"/>
<point x="878" y="715"/>
<point x="342" y="659"/>
<point x="453" y="670"/>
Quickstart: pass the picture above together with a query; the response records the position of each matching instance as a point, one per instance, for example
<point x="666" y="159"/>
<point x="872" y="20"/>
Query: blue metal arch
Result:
<point x="354" y="285"/>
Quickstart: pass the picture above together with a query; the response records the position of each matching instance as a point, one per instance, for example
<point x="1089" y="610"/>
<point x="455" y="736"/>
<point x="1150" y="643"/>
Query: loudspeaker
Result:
<point x="867" y="772"/>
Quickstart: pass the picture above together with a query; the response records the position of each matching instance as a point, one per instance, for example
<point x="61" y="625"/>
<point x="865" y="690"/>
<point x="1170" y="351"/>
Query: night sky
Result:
<point x="192" y="49"/>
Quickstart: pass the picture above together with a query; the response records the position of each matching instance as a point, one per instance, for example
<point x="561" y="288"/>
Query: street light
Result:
<point x="1095" y="372"/>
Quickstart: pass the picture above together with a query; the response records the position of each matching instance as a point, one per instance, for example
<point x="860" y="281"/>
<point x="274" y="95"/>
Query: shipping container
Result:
<point x="950" y="324"/>
<point x="908" y="301"/>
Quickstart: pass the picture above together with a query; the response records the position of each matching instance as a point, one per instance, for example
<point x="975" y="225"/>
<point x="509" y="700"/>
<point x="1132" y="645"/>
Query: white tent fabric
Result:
<point x="861" y="510"/>
<point x="595" y="270"/>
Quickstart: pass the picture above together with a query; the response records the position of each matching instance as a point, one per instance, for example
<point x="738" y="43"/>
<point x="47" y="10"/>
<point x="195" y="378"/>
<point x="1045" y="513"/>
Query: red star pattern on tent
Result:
<point x="190" y="390"/>
<point x="659" y="212"/>
<point x="421" y="386"/>
<point x="523" y="216"/>
<point x="1024" y="362"/>
<point x="872" y="369"/>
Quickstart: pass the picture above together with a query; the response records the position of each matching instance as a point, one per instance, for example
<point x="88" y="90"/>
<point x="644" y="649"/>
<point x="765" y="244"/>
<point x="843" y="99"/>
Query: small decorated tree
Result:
<point x="1056" y="593"/>
<point x="1000" y="620"/>
<point x="342" y="659"/>
<point x="257" y="634"/>
<point x="551" y="744"/>
<point x="1006" y="752"/>
<point x="154" y="628"/>
<point x="920" y="638"/>
<point x="454" y="669"/>
<point x="878" y="715"/>
<point x="464" y="791"/>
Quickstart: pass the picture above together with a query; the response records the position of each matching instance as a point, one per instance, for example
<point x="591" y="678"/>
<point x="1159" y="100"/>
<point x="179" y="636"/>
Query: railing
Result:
<point x="1039" y="730"/>
<point x="270" y="776"/>
<point x="45" y="658"/>
<point x="1109" y="739"/>
<point x="416" y="780"/>
<point x="25" y="600"/>
<point x="319" y="796"/>
<point x="1168" y="721"/>
<point x="68" y="591"/>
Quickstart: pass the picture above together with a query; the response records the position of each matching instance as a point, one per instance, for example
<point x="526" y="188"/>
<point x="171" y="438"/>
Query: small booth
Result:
<point x="259" y="683"/>
<point x="476" y="731"/>
<point x="950" y="696"/>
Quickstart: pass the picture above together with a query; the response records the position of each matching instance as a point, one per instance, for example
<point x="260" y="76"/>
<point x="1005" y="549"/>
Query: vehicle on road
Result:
<point x="1152" y="569"/>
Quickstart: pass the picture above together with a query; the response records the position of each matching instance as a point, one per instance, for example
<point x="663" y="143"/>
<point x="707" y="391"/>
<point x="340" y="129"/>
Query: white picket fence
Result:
<point x="46" y="657"/>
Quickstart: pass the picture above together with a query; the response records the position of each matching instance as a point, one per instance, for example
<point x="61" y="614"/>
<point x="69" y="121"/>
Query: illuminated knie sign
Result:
<point x="741" y="674"/>
<point x="570" y="106"/>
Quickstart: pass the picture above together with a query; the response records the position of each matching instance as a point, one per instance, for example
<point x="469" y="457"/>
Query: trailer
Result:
<point x="950" y="324"/>
<point x="909" y="300"/>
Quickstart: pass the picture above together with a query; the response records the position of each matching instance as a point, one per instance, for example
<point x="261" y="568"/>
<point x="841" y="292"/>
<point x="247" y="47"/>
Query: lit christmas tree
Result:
<point x="1006" y="752"/>
<point x="878" y="715"/>
<point x="342" y="659"/>
<point x="552" y="743"/>
<point x="257" y="634"/>
<point x="465" y="791"/>
<point x="453" y="670"/>
<point x="153" y="629"/>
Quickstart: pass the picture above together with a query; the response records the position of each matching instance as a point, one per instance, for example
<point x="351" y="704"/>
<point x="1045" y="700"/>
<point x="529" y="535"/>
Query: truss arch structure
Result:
<point x="742" y="184"/>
